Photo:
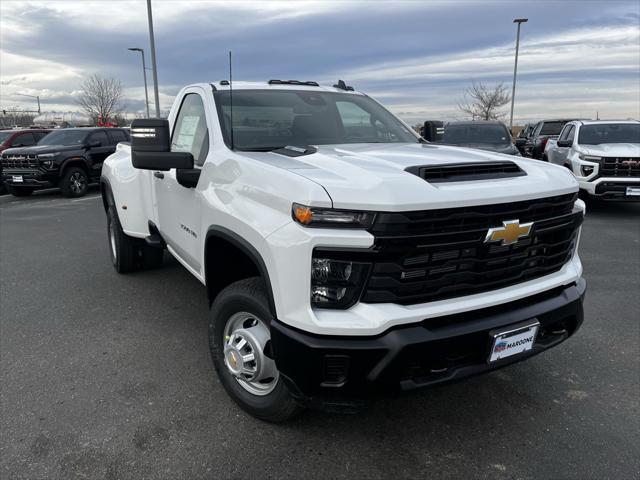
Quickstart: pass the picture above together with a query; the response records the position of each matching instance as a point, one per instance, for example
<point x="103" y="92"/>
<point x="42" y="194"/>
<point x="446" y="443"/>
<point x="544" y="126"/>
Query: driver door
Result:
<point x="98" y="153"/>
<point x="560" y="154"/>
<point x="179" y="207"/>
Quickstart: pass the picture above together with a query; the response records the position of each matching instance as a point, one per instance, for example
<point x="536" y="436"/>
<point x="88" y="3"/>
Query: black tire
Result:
<point x="20" y="191"/>
<point x="74" y="182"/>
<point x="123" y="249"/>
<point x="247" y="296"/>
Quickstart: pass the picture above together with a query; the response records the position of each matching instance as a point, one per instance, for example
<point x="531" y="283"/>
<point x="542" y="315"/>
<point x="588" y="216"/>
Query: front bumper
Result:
<point x="330" y="369"/>
<point x="30" y="178"/>
<point x="611" y="188"/>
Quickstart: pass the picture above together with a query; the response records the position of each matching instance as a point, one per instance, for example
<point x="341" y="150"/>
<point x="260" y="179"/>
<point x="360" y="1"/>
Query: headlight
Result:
<point x="586" y="170"/>
<point x="46" y="159"/>
<point x="47" y="156"/>
<point x="336" y="283"/>
<point x="331" y="218"/>
<point x="589" y="158"/>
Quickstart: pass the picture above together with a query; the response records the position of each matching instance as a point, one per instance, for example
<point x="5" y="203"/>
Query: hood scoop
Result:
<point x="467" y="172"/>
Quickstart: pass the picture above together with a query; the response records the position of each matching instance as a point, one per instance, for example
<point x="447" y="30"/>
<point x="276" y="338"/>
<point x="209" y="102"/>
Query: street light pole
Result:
<point x="144" y="75"/>
<point x="37" y="97"/>
<point x="153" y="59"/>
<point x="519" y="21"/>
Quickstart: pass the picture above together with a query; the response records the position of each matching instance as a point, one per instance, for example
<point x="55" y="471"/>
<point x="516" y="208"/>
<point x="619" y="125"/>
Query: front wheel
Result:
<point x="240" y="344"/>
<point x="74" y="183"/>
<point x="122" y="248"/>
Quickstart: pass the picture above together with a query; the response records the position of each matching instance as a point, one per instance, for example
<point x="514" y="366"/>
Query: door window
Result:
<point x="565" y="132"/>
<point x="101" y="137"/>
<point x="25" y="139"/>
<point x="571" y="133"/>
<point x="118" y="136"/>
<point x="190" y="133"/>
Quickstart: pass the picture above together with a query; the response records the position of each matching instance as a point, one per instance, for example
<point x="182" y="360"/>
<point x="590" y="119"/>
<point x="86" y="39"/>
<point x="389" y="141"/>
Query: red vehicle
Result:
<point x="19" y="138"/>
<point x="105" y="123"/>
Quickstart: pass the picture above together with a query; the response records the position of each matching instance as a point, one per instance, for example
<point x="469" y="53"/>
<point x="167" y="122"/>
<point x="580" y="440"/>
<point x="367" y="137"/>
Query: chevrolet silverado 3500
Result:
<point x="343" y="255"/>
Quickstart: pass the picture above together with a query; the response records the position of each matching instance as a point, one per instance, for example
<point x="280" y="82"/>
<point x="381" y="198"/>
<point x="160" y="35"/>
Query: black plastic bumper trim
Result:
<point x="376" y="363"/>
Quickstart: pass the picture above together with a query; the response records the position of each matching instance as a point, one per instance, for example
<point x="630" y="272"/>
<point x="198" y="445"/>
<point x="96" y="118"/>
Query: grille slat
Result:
<point x="454" y="261"/>
<point x="19" y="162"/>
<point x="620" y="167"/>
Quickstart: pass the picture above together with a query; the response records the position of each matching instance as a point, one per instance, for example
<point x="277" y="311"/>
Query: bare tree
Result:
<point x="101" y="97"/>
<point x="483" y="102"/>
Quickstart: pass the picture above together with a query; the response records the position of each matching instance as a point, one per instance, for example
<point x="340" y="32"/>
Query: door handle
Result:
<point x="159" y="175"/>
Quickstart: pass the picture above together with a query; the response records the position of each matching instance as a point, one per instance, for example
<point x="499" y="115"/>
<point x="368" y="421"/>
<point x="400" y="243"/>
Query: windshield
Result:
<point x="4" y="136"/>
<point x="266" y="120"/>
<point x="67" y="136"/>
<point x="552" y="128"/>
<point x="480" y="133"/>
<point x="609" y="133"/>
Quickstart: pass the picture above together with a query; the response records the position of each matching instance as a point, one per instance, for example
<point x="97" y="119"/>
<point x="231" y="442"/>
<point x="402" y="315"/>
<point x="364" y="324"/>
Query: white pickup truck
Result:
<point x="604" y="156"/>
<point x="343" y="255"/>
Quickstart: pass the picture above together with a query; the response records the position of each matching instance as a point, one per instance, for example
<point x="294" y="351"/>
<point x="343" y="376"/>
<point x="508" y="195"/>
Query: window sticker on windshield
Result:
<point x="187" y="132"/>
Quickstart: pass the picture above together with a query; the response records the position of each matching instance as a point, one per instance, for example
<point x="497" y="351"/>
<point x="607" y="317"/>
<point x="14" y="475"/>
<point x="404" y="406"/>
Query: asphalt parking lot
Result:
<point x="109" y="376"/>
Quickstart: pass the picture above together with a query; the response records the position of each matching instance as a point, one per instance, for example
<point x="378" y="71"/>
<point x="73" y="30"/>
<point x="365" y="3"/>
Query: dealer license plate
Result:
<point x="17" y="178"/>
<point x="513" y="341"/>
<point x="633" y="191"/>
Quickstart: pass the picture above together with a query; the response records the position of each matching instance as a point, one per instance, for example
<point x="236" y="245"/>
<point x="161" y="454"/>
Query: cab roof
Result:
<point x="602" y="122"/>
<point x="223" y="85"/>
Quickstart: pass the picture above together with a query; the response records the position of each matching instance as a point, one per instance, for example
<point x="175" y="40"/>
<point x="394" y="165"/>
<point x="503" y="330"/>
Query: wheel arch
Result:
<point x="74" y="162"/>
<point x="239" y="260"/>
<point x="106" y="193"/>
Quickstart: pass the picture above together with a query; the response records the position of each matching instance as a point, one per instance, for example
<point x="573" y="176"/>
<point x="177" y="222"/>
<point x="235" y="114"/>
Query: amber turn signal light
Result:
<point x="302" y="214"/>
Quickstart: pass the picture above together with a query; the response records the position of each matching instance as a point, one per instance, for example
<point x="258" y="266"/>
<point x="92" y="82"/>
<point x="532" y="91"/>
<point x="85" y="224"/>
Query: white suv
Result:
<point x="603" y="155"/>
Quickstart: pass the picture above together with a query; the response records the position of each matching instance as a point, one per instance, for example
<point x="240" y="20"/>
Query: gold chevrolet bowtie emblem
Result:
<point x="510" y="232"/>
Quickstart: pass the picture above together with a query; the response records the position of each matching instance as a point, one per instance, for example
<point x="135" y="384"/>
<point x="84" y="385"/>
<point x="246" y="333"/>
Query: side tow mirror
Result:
<point x="151" y="145"/>
<point x="564" y="143"/>
<point x="520" y="142"/>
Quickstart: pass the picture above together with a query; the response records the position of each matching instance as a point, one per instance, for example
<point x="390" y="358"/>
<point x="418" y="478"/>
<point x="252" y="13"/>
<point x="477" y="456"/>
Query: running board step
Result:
<point x="154" y="240"/>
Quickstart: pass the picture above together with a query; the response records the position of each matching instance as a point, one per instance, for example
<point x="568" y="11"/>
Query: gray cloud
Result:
<point x="419" y="56"/>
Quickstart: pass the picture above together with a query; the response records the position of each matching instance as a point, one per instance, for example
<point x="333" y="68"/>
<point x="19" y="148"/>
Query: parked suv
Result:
<point x="542" y="132"/>
<point x="523" y="136"/>
<point x="18" y="138"/>
<point x="342" y="254"/>
<point x="69" y="158"/>
<point x="483" y="135"/>
<point x="603" y="155"/>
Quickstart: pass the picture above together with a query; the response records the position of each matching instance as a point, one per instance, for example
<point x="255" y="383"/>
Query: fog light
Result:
<point x="324" y="270"/>
<point x="587" y="170"/>
<point x="336" y="283"/>
<point x="327" y="295"/>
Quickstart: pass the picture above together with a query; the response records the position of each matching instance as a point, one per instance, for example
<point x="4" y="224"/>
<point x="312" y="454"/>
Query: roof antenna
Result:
<point x="231" y="99"/>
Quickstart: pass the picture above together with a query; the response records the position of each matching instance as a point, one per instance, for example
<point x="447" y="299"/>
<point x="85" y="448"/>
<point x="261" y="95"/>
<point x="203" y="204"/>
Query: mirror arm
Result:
<point x="188" y="177"/>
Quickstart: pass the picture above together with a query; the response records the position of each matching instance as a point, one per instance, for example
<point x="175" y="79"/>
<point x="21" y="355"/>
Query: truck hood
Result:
<point x="373" y="176"/>
<point x="39" y="149"/>
<point x="612" y="149"/>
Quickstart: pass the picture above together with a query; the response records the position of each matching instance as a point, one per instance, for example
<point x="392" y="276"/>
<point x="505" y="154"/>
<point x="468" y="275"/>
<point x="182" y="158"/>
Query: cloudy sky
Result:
<point x="576" y="57"/>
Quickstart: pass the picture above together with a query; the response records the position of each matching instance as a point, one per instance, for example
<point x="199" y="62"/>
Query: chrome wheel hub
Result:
<point x="77" y="182"/>
<point x="245" y="340"/>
